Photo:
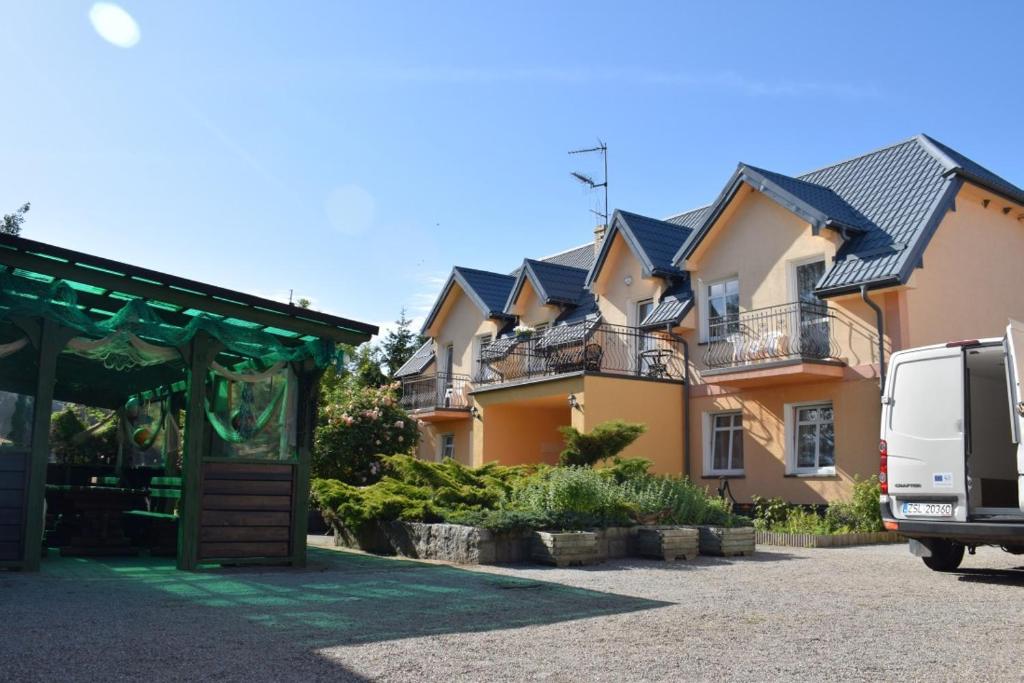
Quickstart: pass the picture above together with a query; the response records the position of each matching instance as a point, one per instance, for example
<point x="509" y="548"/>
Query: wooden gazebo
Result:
<point x="235" y="377"/>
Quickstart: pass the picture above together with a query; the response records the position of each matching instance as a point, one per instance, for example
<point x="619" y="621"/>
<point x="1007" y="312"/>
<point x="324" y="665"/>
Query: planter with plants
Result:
<point x="667" y="543"/>
<point x="523" y="331"/>
<point x="489" y="514"/>
<point x="726" y="541"/>
<point x="841" y="524"/>
<point x="565" y="548"/>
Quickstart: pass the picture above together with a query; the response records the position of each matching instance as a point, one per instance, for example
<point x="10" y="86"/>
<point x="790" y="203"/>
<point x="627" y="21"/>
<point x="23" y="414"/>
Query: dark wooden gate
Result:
<point x="13" y="496"/>
<point x="246" y="511"/>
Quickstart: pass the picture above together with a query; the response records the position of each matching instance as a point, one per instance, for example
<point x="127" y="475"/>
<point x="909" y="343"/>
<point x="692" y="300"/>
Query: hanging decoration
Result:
<point x="246" y="430"/>
<point x="12" y="347"/>
<point x="121" y="350"/>
<point x="58" y="301"/>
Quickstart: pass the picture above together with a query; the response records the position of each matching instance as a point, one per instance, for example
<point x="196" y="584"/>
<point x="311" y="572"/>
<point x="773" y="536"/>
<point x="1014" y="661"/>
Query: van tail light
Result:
<point x="883" y="466"/>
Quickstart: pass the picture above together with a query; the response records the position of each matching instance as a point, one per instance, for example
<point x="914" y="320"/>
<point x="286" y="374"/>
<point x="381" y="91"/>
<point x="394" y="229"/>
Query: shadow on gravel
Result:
<point x="701" y="563"/>
<point x="340" y="599"/>
<point x="1003" y="577"/>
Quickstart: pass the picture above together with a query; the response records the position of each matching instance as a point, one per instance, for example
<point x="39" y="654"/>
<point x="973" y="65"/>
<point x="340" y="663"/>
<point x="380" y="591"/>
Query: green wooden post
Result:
<point x="199" y="353"/>
<point x="51" y="340"/>
<point x="306" y="405"/>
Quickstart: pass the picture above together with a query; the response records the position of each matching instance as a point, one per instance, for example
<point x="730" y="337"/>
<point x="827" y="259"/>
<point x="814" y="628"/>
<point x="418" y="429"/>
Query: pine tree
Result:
<point x="399" y="345"/>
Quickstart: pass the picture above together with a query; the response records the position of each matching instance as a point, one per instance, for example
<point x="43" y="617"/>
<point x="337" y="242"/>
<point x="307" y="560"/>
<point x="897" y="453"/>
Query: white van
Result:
<point x="952" y="465"/>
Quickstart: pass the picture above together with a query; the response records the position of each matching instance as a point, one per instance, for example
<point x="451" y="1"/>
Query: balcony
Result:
<point x="584" y="347"/>
<point x="789" y="343"/>
<point x="437" y="398"/>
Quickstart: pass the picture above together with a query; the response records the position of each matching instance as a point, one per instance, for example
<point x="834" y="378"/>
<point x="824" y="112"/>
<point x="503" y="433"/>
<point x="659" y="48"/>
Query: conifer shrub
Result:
<point x="606" y="440"/>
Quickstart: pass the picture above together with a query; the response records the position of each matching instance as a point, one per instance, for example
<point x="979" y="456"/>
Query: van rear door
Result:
<point x="923" y="426"/>
<point x="1014" y="343"/>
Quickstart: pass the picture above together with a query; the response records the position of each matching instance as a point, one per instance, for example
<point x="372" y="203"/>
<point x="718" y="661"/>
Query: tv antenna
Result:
<point x="590" y="182"/>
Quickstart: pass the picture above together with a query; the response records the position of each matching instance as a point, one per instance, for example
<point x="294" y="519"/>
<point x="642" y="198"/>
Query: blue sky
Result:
<point x="354" y="152"/>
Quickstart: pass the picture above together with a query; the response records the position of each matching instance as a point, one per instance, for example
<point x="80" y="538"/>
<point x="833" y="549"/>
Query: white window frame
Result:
<point x="791" y="434"/>
<point x="479" y="369"/>
<point x="791" y="274"/>
<point x="446" y="440"/>
<point x="705" y="308"/>
<point x="709" y="444"/>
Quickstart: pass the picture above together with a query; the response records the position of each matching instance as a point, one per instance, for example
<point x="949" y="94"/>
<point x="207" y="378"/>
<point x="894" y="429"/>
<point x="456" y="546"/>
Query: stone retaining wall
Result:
<point x="472" y="545"/>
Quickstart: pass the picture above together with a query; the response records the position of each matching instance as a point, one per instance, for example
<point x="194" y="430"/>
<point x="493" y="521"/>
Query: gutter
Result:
<point x="880" y="325"/>
<point x="890" y="281"/>
<point x="686" y="398"/>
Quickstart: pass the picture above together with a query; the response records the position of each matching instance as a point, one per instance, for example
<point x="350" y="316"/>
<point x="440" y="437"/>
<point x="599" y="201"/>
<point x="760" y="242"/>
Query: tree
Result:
<point x="303" y="302"/>
<point x="11" y="224"/>
<point x="606" y="440"/>
<point x="356" y="426"/>
<point x="365" y="366"/>
<point x="399" y="345"/>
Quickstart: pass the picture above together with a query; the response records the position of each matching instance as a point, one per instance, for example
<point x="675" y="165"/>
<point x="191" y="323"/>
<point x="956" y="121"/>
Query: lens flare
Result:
<point x="114" y="24"/>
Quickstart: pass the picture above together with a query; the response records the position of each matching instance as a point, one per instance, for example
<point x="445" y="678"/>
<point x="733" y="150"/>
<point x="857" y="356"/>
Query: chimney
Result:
<point x="598" y="238"/>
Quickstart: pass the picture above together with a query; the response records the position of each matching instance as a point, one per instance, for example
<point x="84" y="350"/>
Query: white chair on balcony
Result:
<point x="764" y="345"/>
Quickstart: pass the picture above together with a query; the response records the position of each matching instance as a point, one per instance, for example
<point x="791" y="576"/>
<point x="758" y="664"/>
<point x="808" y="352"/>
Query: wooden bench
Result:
<point x="160" y="521"/>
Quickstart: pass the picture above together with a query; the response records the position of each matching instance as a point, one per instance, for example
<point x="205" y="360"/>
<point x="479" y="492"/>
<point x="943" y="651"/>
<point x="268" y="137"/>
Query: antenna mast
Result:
<point x="588" y="181"/>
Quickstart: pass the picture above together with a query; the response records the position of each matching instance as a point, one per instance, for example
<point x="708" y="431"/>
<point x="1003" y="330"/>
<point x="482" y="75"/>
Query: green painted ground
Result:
<point x="340" y="598"/>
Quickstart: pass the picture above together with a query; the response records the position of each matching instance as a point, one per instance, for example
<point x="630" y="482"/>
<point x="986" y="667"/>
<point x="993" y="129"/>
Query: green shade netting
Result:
<point x="58" y="301"/>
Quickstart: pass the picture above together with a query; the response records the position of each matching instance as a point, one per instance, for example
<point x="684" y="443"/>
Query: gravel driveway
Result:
<point x="836" y="614"/>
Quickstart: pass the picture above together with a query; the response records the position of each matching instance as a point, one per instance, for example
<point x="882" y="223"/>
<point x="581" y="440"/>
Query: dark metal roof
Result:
<point x="653" y="242"/>
<point x="419" y="361"/>
<point x="177" y="297"/>
<point x="489" y="291"/>
<point x="673" y="306"/>
<point x="577" y="257"/>
<point x="554" y="284"/>
<point x="889" y="201"/>
<point x="692" y="219"/>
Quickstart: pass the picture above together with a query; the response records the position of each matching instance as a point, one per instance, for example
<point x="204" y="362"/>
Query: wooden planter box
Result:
<point x="827" y="541"/>
<point x="667" y="543"/>
<point x="565" y="548"/>
<point x="726" y="542"/>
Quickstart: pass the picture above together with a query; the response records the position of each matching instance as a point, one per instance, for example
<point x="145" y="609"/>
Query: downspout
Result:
<point x="686" y="398"/>
<point x="880" y="325"/>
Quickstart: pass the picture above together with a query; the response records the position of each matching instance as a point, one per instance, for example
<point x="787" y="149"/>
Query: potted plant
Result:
<point x="523" y="331"/>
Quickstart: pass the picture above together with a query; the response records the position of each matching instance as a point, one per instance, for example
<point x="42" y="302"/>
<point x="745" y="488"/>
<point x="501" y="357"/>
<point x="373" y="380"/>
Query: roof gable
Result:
<point x="487" y="290"/>
<point x="555" y="284"/>
<point x="653" y="242"/>
<point x="888" y="202"/>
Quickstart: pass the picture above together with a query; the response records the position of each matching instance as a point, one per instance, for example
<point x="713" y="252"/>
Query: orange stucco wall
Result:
<point x="658" y="405"/>
<point x="765" y="450"/>
<point x="972" y="277"/>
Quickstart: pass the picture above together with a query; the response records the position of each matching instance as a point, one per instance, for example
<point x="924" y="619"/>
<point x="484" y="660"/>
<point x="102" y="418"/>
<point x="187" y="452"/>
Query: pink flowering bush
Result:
<point x="356" y="426"/>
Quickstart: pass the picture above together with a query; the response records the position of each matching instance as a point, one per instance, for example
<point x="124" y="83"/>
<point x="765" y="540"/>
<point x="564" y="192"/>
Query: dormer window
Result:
<point x="722" y="309"/>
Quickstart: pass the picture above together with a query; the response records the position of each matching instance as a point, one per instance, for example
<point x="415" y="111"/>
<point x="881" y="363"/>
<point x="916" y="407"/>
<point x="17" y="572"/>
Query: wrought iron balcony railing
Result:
<point x="440" y="391"/>
<point x="795" y="331"/>
<point x="589" y="346"/>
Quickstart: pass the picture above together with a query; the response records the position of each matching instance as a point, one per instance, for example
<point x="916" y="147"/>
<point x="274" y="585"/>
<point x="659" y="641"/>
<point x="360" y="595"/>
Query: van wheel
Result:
<point x="946" y="555"/>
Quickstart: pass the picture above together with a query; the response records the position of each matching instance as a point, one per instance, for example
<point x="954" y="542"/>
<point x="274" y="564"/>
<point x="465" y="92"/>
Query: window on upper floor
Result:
<point x="720" y="313"/>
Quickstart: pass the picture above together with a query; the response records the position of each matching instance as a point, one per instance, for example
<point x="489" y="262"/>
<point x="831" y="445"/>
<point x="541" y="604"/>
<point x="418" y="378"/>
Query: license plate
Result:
<point x="928" y="509"/>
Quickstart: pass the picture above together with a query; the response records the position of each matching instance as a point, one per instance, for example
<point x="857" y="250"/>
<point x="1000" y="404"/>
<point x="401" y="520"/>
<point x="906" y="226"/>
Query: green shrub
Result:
<point x="499" y="520"/>
<point x="674" y="500"/>
<point x="606" y="440"/>
<point x="356" y="425"/>
<point x="626" y="469"/>
<point x="859" y="514"/>
<point x="573" y="497"/>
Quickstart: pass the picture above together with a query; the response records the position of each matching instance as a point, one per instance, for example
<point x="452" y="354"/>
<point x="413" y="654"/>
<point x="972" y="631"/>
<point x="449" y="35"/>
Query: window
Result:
<point x="811" y="440"/>
<point x="447" y="446"/>
<point x="484" y="372"/>
<point x="723" y="309"/>
<point x="725" y="443"/>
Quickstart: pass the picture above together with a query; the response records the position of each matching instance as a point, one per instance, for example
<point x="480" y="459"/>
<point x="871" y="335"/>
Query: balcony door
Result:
<point x="645" y="342"/>
<point x="444" y="387"/>
<point x="812" y="316"/>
